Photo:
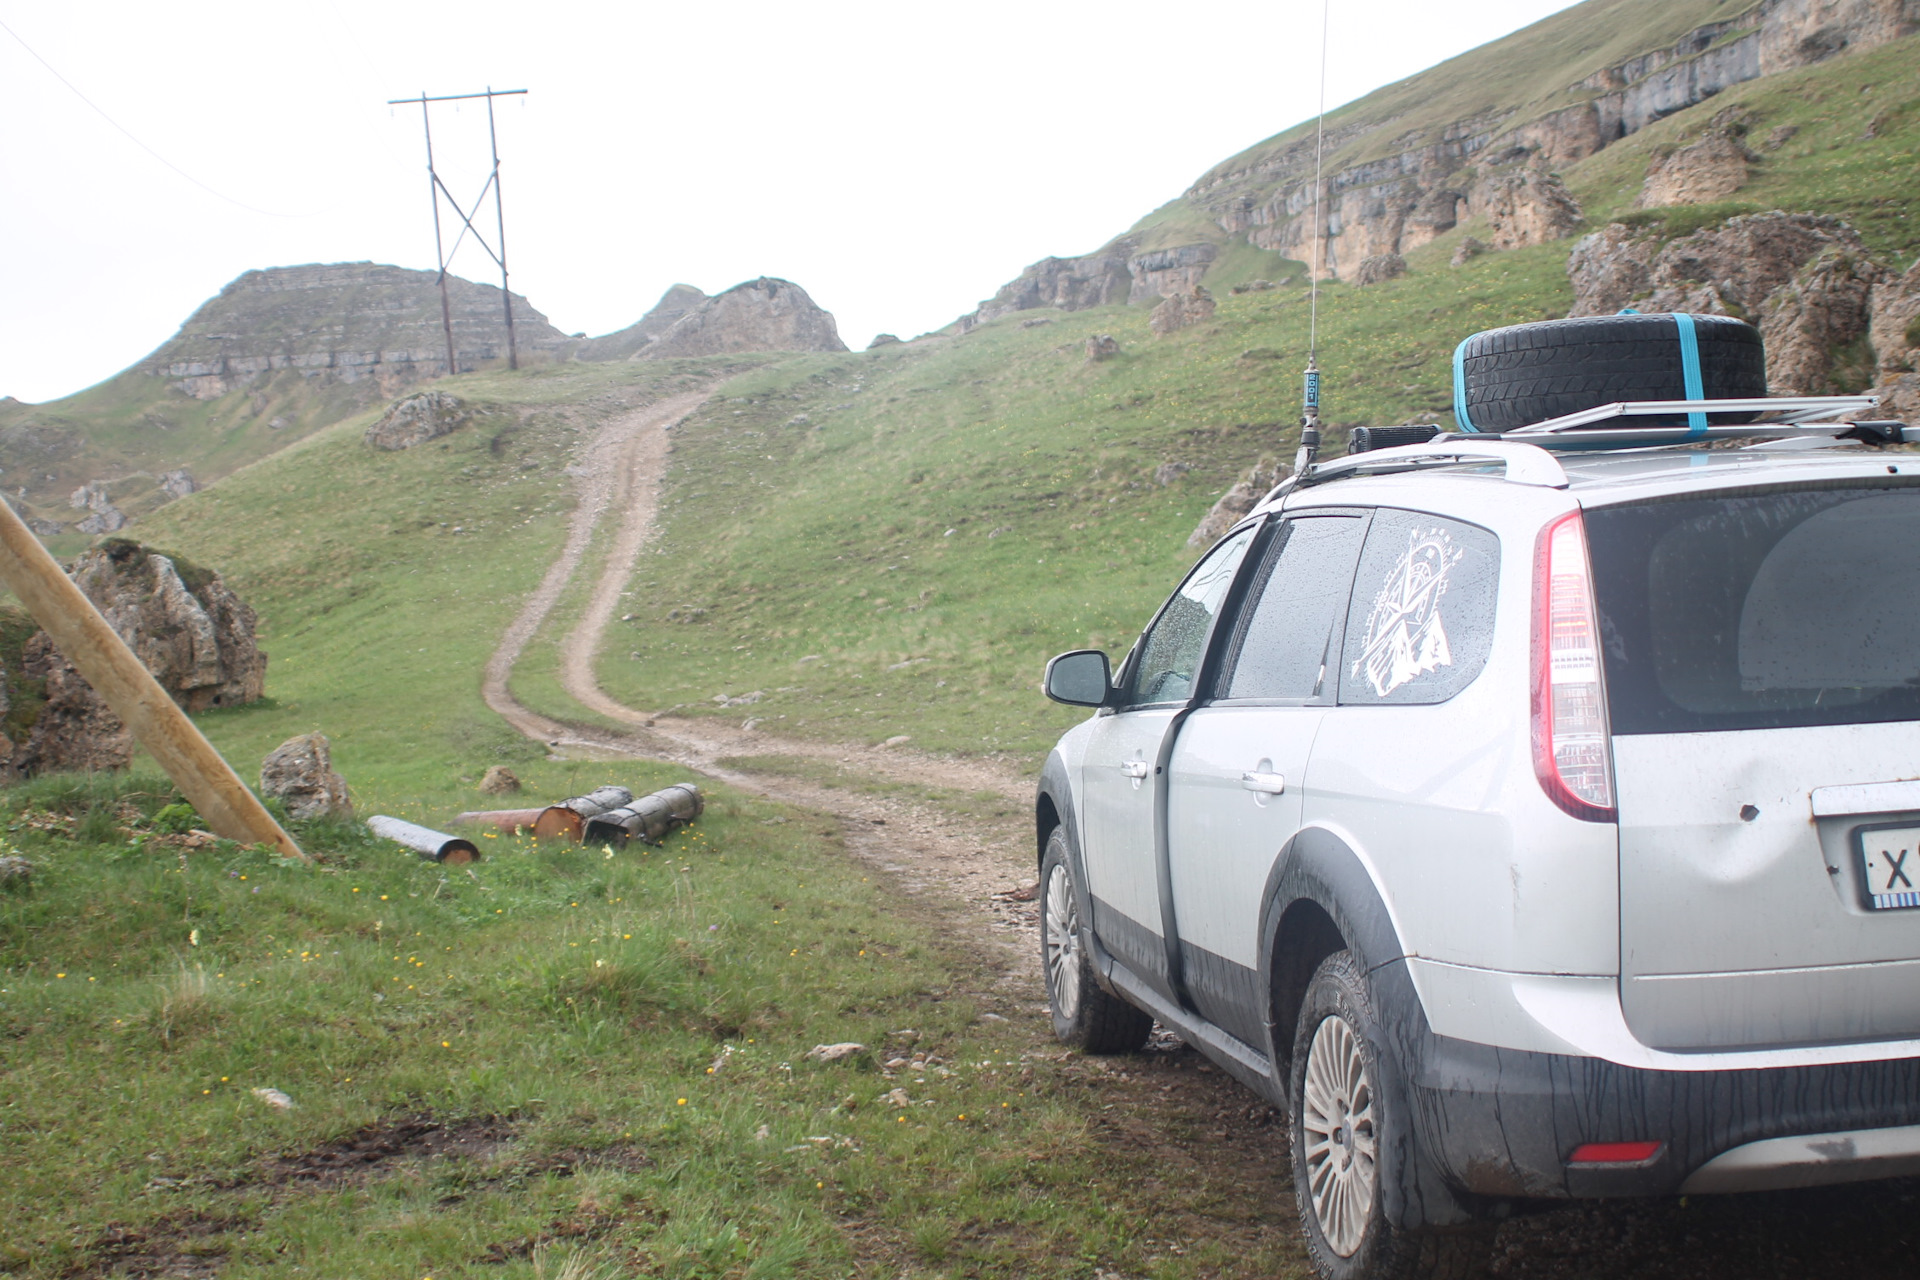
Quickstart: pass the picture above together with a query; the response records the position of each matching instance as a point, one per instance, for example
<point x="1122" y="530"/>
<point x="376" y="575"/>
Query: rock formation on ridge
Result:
<point x="767" y="314"/>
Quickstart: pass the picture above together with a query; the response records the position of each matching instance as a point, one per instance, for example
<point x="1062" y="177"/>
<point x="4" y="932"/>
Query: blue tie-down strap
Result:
<point x="1460" y="417"/>
<point x="1695" y="386"/>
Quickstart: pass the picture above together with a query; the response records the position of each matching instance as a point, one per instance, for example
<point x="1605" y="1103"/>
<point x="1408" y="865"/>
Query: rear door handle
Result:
<point x="1134" y="768"/>
<point x="1270" y="783"/>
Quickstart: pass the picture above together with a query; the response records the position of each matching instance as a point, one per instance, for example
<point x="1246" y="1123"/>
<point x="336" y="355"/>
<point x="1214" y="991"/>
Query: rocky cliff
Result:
<point x="621" y="344"/>
<point x="344" y="322"/>
<point x="1476" y="138"/>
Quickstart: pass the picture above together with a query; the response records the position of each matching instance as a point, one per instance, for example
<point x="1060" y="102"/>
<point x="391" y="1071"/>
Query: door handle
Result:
<point x="1269" y="783"/>
<point x="1134" y="768"/>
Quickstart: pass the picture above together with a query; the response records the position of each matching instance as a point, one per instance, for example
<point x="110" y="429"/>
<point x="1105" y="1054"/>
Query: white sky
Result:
<point x="899" y="161"/>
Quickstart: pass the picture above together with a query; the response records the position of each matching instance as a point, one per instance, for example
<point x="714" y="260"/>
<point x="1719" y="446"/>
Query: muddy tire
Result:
<point x="1346" y="1134"/>
<point x="1527" y="373"/>
<point x="1084" y="1015"/>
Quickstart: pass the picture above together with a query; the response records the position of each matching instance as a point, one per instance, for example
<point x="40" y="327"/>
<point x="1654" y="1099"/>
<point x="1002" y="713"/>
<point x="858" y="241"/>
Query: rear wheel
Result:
<point x="1084" y="1015"/>
<point x="1347" y="1141"/>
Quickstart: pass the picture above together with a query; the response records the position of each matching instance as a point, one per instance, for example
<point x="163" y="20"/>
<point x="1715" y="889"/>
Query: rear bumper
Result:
<point x="1503" y="1123"/>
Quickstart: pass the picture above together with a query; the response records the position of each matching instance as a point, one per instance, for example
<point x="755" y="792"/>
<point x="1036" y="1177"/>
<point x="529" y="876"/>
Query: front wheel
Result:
<point x="1084" y="1015"/>
<point x="1348" y="1140"/>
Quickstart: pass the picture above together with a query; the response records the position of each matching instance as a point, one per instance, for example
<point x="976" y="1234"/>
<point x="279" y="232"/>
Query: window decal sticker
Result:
<point x="1405" y="636"/>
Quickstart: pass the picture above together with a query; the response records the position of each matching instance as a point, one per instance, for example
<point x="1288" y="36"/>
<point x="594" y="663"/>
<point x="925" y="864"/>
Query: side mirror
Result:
<point x="1082" y="678"/>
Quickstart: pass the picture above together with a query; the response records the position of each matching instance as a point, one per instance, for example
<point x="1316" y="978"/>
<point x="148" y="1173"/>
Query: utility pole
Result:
<point x="437" y="189"/>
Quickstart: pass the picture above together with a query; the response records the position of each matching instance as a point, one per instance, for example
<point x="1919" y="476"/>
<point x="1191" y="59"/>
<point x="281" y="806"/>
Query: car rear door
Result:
<point x="1122" y="783"/>
<point x="1763" y="687"/>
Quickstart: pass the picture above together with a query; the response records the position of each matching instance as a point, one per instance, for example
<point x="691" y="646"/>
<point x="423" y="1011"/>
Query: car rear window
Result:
<point x="1760" y="609"/>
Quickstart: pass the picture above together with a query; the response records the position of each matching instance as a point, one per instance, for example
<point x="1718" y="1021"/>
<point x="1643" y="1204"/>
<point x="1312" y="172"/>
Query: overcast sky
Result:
<point x="900" y="161"/>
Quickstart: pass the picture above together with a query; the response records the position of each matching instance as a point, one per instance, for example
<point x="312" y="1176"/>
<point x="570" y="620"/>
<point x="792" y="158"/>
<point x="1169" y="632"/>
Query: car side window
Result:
<point x="1288" y="644"/>
<point x="1170" y="653"/>
<point x="1421" y="623"/>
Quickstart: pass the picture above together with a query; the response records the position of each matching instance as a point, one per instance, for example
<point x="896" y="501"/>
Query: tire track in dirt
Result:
<point x="966" y="870"/>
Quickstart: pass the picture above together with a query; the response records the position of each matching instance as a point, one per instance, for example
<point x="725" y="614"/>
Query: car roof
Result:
<point x="1602" y="478"/>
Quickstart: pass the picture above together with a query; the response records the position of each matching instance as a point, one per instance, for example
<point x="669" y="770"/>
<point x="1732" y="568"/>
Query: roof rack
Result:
<point x="1780" y="411"/>
<point x="1526" y="453"/>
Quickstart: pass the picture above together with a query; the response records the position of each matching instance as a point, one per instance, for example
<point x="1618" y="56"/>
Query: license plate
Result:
<point x="1890" y="862"/>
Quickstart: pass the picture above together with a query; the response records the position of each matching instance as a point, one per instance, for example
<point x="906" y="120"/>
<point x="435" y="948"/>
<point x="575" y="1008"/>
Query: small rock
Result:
<point x="274" y="1098"/>
<point x="500" y="781"/>
<point x="1102" y="346"/>
<point x="300" y="772"/>
<point x="898" y="1097"/>
<point x="1466" y="251"/>
<point x="1035" y="324"/>
<point x="1167" y="472"/>
<point x="898" y="740"/>
<point x="835" y="1052"/>
<point x="1251" y="286"/>
<point x="15" y="870"/>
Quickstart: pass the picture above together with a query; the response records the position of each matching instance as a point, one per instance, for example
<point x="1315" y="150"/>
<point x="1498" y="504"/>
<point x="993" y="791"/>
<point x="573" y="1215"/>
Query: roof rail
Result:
<point x="1780" y="410"/>
<point x="1523" y="463"/>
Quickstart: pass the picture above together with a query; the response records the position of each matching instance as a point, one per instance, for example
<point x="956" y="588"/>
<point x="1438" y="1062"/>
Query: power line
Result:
<point x="131" y="137"/>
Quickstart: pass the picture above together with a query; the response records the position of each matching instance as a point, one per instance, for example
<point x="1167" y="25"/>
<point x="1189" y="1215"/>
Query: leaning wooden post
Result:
<point x="84" y="639"/>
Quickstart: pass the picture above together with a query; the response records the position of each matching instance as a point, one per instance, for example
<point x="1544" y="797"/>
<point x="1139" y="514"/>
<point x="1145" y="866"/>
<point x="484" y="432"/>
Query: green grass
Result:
<point x="619" y="1040"/>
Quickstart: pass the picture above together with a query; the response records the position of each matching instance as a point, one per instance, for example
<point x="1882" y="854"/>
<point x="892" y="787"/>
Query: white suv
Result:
<point x="1525" y="824"/>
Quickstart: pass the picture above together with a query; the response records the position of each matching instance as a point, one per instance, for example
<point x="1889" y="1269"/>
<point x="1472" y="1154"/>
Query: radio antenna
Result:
<point x="1310" y="399"/>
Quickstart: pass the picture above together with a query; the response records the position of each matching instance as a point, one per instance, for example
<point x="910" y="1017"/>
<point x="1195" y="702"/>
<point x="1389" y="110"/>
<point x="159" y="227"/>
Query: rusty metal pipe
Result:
<point x="434" y="846"/>
<point x="508" y="821"/>
<point x="649" y="818"/>
<point x="568" y="819"/>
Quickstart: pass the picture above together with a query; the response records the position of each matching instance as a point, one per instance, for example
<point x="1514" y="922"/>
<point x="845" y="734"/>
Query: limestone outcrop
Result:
<point x="1236" y="502"/>
<point x="623" y="343"/>
<point x="767" y="314"/>
<point x="1808" y="322"/>
<point x="1182" y="310"/>
<point x="1710" y="168"/>
<point x="1730" y="269"/>
<point x="183" y="622"/>
<point x="348" y="322"/>
<point x="418" y="418"/>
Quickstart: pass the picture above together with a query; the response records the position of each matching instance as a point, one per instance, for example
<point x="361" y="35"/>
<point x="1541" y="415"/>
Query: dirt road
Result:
<point x="954" y="838"/>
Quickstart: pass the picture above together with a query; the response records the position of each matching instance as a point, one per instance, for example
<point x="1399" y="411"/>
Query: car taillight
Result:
<point x="1615" y="1152"/>
<point x="1570" y="747"/>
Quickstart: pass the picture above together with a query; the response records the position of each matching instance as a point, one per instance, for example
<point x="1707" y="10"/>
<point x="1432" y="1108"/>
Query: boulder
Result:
<point x="1809" y="321"/>
<point x="178" y="484"/>
<point x="15" y="869"/>
<point x="299" y="773"/>
<point x="418" y="418"/>
<point x="1527" y="206"/>
<point x="1182" y="310"/>
<point x="761" y="315"/>
<point x="1895" y="323"/>
<point x="1235" y="503"/>
<point x="500" y="781"/>
<point x="109" y="520"/>
<point x="1251" y="286"/>
<point x="75" y="731"/>
<point x="1710" y="168"/>
<point x="1102" y="346"/>
<point x="192" y="632"/>
<point x="1466" y="251"/>
<point x="1379" y="268"/>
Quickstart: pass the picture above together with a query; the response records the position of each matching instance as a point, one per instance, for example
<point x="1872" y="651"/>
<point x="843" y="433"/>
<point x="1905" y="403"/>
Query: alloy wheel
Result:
<point x="1337" y="1123"/>
<point x="1063" y="943"/>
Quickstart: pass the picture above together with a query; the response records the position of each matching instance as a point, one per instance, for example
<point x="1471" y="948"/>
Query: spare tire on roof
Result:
<point x="1527" y="373"/>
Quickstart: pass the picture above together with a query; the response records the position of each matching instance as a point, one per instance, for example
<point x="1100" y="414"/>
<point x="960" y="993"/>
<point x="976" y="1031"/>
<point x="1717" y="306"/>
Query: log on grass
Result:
<point x="434" y="846"/>
<point x="510" y="822"/>
<point x="647" y="819"/>
<point x="568" y="819"/>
